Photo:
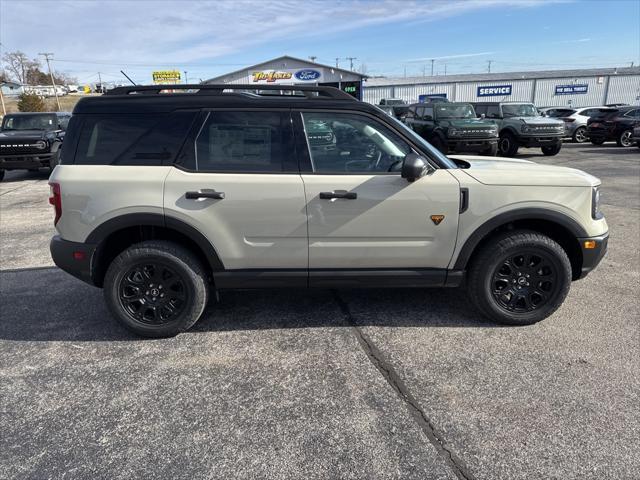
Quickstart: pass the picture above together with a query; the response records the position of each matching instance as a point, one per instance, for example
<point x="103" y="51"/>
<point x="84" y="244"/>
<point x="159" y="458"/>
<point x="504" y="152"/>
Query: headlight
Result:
<point x="524" y="128"/>
<point x="561" y="128"/>
<point x="595" y="203"/>
<point x="454" y="132"/>
<point x="40" y="144"/>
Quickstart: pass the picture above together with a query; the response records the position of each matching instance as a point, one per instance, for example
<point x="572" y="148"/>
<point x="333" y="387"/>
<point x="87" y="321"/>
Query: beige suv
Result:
<point x="163" y="196"/>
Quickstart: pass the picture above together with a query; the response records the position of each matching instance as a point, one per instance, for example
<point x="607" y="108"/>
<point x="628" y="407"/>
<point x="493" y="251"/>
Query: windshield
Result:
<point x="30" y="122"/>
<point x="519" y="110"/>
<point x="434" y="152"/>
<point x="451" y="110"/>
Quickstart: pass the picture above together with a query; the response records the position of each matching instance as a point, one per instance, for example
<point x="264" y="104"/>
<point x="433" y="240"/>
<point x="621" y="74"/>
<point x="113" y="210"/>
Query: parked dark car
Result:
<point x="29" y="141"/>
<point x="396" y="107"/>
<point x="636" y="134"/>
<point x="616" y="125"/>
<point x="453" y="127"/>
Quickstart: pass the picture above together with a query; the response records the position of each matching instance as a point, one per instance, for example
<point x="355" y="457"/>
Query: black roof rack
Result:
<point x="308" y="91"/>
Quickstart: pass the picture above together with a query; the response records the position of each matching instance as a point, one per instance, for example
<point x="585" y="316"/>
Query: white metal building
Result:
<point x="578" y="88"/>
<point x="288" y="70"/>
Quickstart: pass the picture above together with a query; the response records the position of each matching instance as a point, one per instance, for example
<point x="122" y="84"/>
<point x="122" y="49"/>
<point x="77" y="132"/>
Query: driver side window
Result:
<point x="351" y="143"/>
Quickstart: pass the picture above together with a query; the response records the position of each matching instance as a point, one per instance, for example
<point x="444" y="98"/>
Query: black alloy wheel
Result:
<point x="153" y="293"/>
<point x="524" y="281"/>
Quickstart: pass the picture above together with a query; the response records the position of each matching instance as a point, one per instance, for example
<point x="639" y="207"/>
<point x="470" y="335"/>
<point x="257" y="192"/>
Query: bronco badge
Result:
<point x="437" y="219"/>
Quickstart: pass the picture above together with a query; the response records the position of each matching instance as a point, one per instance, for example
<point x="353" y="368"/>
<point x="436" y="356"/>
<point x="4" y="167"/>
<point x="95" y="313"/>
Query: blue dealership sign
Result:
<point x="494" y="91"/>
<point x="307" y="75"/>
<point x="571" y="89"/>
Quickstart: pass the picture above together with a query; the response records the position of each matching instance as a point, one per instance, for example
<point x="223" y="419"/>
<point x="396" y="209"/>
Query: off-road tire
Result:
<point x="625" y="139"/>
<point x="492" y="151"/>
<point x="167" y="254"/>
<point x="54" y="161"/>
<point x="1" y="175"/>
<point x="492" y="257"/>
<point x="508" y="144"/>
<point x="551" y="150"/>
<point x="438" y="142"/>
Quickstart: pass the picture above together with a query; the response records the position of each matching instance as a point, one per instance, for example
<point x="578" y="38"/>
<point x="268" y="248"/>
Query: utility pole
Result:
<point x="186" y="79"/>
<point x="100" y="82"/>
<point x="337" y="62"/>
<point x="489" y="62"/>
<point x="4" y="110"/>
<point x="313" y="58"/>
<point x="55" y="90"/>
<point x="432" y="60"/>
<point x="351" y="59"/>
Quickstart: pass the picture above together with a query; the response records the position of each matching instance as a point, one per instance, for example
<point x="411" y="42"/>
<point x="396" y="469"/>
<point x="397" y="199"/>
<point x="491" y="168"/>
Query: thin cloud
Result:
<point x="447" y="57"/>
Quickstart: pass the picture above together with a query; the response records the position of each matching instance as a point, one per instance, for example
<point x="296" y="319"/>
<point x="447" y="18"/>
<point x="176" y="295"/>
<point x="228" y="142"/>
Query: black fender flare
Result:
<point x="508" y="129"/>
<point x="102" y="231"/>
<point x="505" y="218"/>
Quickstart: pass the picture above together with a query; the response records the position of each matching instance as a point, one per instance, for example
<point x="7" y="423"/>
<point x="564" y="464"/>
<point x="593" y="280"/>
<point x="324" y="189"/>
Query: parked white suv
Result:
<point x="163" y="196"/>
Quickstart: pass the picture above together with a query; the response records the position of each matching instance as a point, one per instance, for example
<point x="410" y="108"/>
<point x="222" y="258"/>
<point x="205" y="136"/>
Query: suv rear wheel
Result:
<point x="625" y="139"/>
<point x="1" y="175"/>
<point x="519" y="278"/>
<point x="156" y="289"/>
<point x="508" y="145"/>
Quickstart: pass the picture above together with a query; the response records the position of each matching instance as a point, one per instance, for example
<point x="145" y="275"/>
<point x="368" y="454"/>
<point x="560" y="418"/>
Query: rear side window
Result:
<point x="132" y="139"/>
<point x="249" y="142"/>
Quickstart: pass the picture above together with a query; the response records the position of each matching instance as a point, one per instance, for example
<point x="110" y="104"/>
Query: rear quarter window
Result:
<point x="132" y="139"/>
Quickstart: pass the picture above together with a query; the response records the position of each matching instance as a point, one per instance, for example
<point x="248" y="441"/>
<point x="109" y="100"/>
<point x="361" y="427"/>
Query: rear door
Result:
<point x="362" y="214"/>
<point x="238" y="183"/>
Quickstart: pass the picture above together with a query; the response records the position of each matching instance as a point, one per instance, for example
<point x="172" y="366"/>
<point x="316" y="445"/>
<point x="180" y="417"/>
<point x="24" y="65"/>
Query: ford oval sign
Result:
<point x="307" y="75"/>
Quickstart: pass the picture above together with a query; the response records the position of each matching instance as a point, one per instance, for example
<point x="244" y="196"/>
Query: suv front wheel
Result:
<point x="508" y="145"/>
<point x="519" y="278"/>
<point x="551" y="150"/>
<point x="156" y="289"/>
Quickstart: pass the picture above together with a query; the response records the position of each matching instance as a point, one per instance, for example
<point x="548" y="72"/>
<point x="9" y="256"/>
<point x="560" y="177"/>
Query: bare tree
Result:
<point x="18" y="65"/>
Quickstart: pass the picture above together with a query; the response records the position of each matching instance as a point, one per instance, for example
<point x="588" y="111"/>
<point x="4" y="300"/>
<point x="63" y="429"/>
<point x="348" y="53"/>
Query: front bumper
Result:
<point x="16" y="162"/>
<point x="471" y="144"/>
<point x="539" y="141"/>
<point x="73" y="257"/>
<point x="591" y="257"/>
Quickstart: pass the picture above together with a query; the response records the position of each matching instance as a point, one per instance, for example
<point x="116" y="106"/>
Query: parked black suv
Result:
<point x="453" y="127"/>
<point x="617" y="125"/>
<point x="31" y="140"/>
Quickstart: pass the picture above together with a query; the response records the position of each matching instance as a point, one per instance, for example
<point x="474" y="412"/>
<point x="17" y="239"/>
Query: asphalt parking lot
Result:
<point x="363" y="384"/>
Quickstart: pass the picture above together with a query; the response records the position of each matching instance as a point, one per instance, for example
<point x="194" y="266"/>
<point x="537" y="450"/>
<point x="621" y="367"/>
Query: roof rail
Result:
<point x="308" y="91"/>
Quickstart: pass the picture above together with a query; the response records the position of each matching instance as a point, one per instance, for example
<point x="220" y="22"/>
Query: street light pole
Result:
<point x="186" y="79"/>
<point x="53" y="82"/>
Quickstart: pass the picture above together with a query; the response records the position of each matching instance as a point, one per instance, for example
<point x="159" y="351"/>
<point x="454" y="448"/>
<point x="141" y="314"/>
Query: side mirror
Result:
<point x="413" y="167"/>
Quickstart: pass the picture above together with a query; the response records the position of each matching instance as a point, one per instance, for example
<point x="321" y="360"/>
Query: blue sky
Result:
<point x="388" y="37"/>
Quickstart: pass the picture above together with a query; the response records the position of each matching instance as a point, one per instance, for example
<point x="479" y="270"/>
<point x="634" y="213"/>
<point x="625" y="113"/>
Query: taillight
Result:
<point x="56" y="200"/>
<point x="569" y="120"/>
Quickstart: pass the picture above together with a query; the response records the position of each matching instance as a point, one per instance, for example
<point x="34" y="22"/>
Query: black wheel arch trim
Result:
<point x="102" y="231"/>
<point x="514" y="215"/>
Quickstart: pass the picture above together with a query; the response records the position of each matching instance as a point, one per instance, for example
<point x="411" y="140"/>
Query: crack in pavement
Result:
<point x="378" y="360"/>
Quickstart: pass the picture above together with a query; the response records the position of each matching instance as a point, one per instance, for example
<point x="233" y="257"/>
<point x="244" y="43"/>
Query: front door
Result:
<point x="362" y="214"/>
<point x="239" y="185"/>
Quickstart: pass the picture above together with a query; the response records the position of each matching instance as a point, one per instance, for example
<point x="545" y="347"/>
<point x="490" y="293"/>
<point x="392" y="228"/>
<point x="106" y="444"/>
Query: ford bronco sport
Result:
<point x="162" y="197"/>
<point x="31" y="140"/>
<point x="521" y="125"/>
<point x="453" y="127"/>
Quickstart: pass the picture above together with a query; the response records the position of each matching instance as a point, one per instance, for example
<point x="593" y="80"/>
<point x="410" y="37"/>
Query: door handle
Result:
<point x="338" y="194"/>
<point x="197" y="195"/>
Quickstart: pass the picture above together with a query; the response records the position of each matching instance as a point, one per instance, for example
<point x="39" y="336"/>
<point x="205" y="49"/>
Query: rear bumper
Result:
<point x="73" y="257"/>
<point x="15" y="162"/>
<point x="591" y="257"/>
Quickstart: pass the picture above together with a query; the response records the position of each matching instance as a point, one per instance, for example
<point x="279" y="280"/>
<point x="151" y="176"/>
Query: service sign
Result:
<point x="494" y="91"/>
<point x="571" y="89"/>
<point x="166" y="76"/>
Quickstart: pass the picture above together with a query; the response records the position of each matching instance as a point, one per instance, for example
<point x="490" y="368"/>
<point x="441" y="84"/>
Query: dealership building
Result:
<point x="288" y="70"/>
<point x="576" y="88"/>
